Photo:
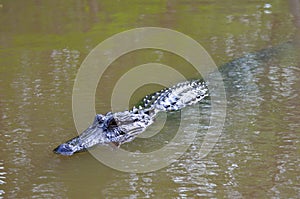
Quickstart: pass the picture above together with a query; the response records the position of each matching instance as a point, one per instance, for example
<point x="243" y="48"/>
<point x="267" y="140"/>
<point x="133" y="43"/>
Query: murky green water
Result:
<point x="42" y="44"/>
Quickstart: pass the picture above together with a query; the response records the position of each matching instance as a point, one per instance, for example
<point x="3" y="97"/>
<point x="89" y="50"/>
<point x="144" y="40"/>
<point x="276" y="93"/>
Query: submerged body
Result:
<point x="122" y="127"/>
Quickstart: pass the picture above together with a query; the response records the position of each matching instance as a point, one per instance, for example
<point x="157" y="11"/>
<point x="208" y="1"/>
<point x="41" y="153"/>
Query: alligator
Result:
<point x="121" y="127"/>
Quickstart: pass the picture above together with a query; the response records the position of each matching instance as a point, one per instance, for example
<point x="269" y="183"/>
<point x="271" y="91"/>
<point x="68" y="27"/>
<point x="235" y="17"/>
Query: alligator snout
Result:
<point x="91" y="136"/>
<point x="70" y="147"/>
<point x="64" y="149"/>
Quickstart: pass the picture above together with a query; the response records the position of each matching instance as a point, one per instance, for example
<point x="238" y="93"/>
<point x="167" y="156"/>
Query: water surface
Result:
<point x="42" y="45"/>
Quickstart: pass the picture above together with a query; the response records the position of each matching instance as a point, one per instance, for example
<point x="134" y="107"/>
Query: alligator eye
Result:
<point x="112" y="122"/>
<point x="135" y="120"/>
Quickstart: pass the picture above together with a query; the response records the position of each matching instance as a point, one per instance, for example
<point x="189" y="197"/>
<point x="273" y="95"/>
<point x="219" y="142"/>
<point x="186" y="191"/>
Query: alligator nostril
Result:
<point x="64" y="149"/>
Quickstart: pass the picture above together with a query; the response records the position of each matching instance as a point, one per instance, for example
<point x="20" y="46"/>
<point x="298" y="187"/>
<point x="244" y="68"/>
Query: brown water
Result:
<point x="42" y="44"/>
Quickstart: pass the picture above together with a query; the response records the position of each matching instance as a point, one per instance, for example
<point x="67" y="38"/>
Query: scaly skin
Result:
<point x="122" y="127"/>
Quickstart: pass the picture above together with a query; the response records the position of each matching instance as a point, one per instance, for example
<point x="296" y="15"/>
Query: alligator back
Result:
<point x="176" y="97"/>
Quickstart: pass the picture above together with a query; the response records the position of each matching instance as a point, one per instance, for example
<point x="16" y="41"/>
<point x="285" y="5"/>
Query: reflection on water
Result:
<point x="257" y="156"/>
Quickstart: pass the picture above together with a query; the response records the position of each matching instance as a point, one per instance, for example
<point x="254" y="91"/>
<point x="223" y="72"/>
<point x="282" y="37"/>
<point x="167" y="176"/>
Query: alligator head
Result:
<point x="116" y="128"/>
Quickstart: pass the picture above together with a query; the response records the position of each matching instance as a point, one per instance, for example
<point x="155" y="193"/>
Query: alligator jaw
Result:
<point x="92" y="136"/>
